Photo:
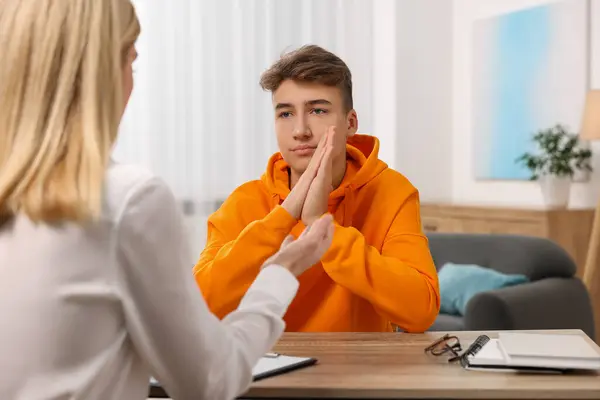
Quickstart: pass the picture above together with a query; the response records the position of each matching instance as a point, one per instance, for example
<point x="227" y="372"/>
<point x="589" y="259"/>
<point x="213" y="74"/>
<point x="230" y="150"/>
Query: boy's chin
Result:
<point x="299" y="166"/>
<point x="297" y="169"/>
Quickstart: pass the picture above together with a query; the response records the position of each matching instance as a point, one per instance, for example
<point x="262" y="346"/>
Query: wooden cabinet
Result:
<point x="571" y="229"/>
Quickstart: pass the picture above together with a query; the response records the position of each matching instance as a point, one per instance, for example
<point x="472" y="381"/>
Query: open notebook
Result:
<point x="534" y="352"/>
<point x="270" y="365"/>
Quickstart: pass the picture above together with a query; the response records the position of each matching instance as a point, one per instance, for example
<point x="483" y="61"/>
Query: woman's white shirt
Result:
<point x="91" y="312"/>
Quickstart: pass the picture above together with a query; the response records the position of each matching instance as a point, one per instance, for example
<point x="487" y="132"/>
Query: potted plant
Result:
<point x="558" y="157"/>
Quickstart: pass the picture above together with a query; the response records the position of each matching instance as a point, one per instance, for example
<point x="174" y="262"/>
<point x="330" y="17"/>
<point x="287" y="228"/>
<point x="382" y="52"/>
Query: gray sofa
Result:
<point x="553" y="299"/>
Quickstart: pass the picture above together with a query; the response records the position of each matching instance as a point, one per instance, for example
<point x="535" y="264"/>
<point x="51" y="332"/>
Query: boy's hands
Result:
<point x="294" y="202"/>
<point x="309" y="197"/>
<point x="316" y="203"/>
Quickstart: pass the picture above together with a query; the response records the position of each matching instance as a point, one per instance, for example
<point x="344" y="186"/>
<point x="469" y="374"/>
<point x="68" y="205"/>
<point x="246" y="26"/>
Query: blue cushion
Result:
<point x="460" y="282"/>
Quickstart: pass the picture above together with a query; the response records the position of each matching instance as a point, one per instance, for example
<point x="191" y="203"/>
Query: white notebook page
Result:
<point x="547" y="345"/>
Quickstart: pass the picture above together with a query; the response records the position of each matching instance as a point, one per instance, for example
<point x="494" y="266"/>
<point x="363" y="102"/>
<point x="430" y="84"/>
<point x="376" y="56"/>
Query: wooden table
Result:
<point x="394" y="366"/>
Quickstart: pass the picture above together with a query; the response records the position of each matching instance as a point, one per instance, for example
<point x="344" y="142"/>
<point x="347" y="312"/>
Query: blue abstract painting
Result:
<point x="529" y="73"/>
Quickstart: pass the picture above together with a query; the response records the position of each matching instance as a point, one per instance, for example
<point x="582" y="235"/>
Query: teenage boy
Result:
<point x="378" y="271"/>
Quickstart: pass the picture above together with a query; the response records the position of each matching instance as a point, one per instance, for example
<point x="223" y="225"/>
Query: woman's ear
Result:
<point x="352" y="123"/>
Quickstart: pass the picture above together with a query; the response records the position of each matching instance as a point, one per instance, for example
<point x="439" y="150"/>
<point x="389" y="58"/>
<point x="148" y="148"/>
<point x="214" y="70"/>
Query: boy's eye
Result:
<point x="285" y="114"/>
<point x="319" y="111"/>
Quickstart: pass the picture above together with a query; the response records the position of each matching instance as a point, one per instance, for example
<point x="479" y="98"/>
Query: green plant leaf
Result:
<point x="558" y="153"/>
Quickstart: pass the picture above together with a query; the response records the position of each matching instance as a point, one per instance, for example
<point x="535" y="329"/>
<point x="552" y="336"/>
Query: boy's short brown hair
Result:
<point x="311" y="63"/>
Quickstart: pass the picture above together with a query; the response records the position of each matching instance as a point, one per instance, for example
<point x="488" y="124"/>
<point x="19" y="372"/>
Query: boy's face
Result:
<point x="303" y="114"/>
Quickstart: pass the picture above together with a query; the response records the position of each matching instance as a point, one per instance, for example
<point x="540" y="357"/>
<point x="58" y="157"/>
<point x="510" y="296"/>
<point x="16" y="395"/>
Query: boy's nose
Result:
<point x="302" y="131"/>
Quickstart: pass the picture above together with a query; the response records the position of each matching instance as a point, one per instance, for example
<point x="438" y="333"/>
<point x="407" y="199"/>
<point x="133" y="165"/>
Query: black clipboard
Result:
<point x="301" y="363"/>
<point x="157" y="391"/>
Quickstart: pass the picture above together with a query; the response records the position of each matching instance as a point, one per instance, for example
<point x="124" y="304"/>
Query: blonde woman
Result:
<point x="96" y="292"/>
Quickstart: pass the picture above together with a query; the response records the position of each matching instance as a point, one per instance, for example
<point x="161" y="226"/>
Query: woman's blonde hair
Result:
<point x="61" y="102"/>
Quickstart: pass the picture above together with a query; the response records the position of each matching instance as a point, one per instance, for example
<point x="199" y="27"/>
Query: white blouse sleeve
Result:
<point x="191" y="352"/>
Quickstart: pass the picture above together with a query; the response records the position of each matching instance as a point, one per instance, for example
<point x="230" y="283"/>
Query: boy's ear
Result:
<point x="352" y="123"/>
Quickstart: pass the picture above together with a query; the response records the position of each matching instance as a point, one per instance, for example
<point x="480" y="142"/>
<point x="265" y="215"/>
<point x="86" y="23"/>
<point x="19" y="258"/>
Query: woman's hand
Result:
<point x="299" y="255"/>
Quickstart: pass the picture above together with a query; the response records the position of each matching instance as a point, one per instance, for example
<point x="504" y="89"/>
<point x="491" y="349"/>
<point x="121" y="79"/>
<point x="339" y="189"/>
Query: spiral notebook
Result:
<point x="533" y="352"/>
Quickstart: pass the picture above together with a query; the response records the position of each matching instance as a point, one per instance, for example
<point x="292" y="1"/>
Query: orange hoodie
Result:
<point x="377" y="272"/>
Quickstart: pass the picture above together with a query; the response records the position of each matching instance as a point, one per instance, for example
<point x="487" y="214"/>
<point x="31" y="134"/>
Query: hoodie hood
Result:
<point x="362" y="166"/>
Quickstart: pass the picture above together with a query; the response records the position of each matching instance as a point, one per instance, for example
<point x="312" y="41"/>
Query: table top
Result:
<point x="394" y="366"/>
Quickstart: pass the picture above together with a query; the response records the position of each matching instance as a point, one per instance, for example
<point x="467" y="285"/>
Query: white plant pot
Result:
<point x="555" y="190"/>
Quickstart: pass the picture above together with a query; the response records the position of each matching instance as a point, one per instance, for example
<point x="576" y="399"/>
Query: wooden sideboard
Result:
<point x="570" y="228"/>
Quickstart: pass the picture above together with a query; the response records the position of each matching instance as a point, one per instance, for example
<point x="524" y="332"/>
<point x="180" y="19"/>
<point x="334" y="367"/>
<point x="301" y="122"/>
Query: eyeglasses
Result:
<point x="447" y="344"/>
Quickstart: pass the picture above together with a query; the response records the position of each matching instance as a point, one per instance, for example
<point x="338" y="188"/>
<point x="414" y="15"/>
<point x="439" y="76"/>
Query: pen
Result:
<point x="271" y="355"/>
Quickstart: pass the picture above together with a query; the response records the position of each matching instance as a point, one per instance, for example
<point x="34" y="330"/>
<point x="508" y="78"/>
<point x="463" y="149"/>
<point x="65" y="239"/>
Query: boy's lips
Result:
<point x="304" y="150"/>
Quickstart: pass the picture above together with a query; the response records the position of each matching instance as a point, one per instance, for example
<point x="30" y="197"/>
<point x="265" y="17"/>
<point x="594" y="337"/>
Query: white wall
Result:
<point x="424" y="82"/>
<point x="465" y="189"/>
